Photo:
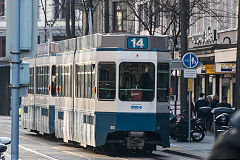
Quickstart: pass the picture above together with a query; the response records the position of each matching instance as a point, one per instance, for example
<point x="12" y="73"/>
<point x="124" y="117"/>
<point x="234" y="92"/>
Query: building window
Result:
<point x="120" y="17"/>
<point x="59" y="11"/>
<point x="2" y="7"/>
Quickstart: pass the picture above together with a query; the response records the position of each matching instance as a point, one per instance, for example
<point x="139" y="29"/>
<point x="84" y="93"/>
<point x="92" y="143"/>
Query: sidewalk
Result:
<point x="198" y="150"/>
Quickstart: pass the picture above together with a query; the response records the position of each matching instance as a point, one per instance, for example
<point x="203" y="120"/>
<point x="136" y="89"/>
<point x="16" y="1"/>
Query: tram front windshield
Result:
<point x="136" y="81"/>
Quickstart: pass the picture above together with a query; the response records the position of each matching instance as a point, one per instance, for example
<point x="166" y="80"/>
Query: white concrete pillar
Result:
<point x="231" y="92"/>
<point x="203" y="85"/>
<point x="214" y="87"/>
<point x="179" y="88"/>
<point x="220" y="89"/>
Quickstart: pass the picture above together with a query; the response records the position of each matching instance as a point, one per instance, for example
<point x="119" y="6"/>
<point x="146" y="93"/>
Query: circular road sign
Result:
<point x="190" y="60"/>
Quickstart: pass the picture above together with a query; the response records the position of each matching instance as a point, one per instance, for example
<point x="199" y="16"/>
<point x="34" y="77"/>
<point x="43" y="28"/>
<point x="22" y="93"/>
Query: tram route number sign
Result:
<point x="137" y="42"/>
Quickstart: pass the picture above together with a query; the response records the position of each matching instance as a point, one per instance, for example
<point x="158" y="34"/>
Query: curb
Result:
<point x="184" y="154"/>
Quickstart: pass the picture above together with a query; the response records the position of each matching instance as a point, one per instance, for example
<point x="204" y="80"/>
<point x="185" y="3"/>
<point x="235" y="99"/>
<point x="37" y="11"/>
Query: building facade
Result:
<point x="48" y="12"/>
<point x="214" y="41"/>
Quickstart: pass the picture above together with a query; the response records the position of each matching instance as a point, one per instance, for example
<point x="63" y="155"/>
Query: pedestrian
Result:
<point x="201" y="102"/>
<point x="224" y="103"/>
<point x="209" y="101"/>
<point x="209" y="116"/>
<point x="215" y="101"/>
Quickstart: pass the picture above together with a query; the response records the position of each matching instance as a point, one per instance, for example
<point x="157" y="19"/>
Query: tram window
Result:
<point x="93" y="79"/>
<point x="46" y="80"/>
<point x="57" y="81"/>
<point x="53" y="79"/>
<point x="88" y="87"/>
<point x="65" y="80"/>
<point x="58" y="77"/>
<point x="77" y="80"/>
<point x="163" y="82"/>
<point x="31" y="84"/>
<point x="80" y="81"/>
<point x="70" y="81"/>
<point x="62" y="81"/>
<point x="37" y="79"/>
<point x="137" y="81"/>
<point x="42" y="78"/>
<point x="82" y="86"/>
<point x="107" y="81"/>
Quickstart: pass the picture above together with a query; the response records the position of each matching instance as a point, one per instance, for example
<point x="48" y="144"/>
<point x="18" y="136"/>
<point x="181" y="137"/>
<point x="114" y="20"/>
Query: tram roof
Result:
<point x="120" y="41"/>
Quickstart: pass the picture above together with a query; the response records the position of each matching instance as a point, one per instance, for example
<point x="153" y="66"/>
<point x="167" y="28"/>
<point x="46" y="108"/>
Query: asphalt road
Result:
<point x="38" y="147"/>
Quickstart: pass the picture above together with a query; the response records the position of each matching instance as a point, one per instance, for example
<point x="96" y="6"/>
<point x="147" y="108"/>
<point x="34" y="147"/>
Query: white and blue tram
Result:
<point x="111" y="90"/>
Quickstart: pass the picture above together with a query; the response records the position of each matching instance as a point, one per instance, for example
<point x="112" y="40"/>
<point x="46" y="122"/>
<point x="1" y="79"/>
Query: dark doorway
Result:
<point x="5" y="91"/>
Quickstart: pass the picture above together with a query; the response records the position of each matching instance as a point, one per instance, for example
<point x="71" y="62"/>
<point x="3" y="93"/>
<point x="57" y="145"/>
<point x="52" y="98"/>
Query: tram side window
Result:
<point x="85" y="81"/>
<point x="163" y="82"/>
<point x="93" y="80"/>
<point x="53" y="79"/>
<point x="62" y="81"/>
<point x="58" y="81"/>
<point x="46" y="80"/>
<point x="42" y="80"/>
<point x="31" y="77"/>
<point x="37" y="79"/>
<point x="79" y="81"/>
<point x="66" y="80"/>
<point x="88" y="85"/>
<point x="107" y="81"/>
<point x="70" y="81"/>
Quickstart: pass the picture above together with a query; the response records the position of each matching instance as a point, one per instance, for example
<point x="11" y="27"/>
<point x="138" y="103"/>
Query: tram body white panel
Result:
<point x="163" y="107"/>
<point x="83" y="132"/>
<point x="105" y="106"/>
<point x="42" y="101"/>
<point x="126" y="56"/>
<point x="64" y="105"/>
<point x="27" y="104"/>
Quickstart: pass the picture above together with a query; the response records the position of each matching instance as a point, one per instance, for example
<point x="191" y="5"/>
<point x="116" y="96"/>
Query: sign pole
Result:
<point x="15" y="67"/>
<point x="189" y="118"/>
<point x="190" y="61"/>
<point x="175" y="92"/>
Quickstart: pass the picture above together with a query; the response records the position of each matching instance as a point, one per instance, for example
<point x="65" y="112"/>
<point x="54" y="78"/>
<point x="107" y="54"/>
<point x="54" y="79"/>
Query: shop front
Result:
<point x="227" y="80"/>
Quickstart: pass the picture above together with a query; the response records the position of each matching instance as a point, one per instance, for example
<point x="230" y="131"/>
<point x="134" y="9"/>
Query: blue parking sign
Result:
<point x="190" y="60"/>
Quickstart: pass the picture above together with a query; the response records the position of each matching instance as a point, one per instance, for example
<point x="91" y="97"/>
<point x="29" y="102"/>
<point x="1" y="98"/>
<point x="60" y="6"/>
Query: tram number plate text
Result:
<point x="137" y="42"/>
